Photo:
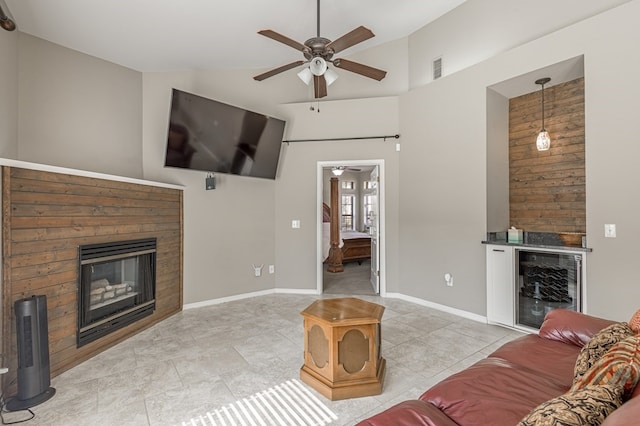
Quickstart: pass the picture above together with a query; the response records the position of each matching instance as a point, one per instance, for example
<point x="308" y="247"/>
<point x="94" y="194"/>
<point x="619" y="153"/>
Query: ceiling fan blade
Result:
<point x="352" y="38"/>
<point x="283" y="39"/>
<point x="278" y="70"/>
<point x="361" y="69"/>
<point x="319" y="86"/>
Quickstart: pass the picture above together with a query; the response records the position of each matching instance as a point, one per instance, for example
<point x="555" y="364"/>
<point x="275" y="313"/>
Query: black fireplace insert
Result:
<point x="116" y="288"/>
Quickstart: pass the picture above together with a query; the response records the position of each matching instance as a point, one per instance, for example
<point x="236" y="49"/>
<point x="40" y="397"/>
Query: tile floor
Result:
<point x="204" y="358"/>
<point x="354" y="280"/>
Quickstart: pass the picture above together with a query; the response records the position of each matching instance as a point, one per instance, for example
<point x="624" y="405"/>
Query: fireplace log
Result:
<point x="100" y="283"/>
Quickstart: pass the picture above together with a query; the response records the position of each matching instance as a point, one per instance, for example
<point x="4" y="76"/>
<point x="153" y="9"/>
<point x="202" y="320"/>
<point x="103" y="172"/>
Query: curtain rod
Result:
<point x="396" y="136"/>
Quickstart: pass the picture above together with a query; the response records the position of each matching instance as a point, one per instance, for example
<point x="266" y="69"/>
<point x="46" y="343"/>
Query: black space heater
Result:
<point x="34" y="377"/>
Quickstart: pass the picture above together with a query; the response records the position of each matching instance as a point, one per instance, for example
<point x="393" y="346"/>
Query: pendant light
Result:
<point x="544" y="141"/>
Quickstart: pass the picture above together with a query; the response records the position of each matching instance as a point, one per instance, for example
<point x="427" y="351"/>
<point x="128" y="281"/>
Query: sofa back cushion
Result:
<point x="493" y="391"/>
<point x="551" y="359"/>
<point x="571" y="327"/>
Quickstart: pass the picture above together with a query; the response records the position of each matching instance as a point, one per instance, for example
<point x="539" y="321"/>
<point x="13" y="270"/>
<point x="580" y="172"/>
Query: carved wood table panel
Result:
<point x="342" y="345"/>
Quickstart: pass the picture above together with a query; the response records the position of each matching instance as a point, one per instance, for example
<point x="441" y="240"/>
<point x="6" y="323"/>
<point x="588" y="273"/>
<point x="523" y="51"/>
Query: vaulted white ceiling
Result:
<point x="163" y="35"/>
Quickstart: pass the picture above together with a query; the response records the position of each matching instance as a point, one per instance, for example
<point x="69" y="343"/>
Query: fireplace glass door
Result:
<point x="116" y="286"/>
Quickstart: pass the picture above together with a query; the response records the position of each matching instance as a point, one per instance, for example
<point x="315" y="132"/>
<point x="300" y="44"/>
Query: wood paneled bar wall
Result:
<point x="547" y="189"/>
<point x="46" y="216"/>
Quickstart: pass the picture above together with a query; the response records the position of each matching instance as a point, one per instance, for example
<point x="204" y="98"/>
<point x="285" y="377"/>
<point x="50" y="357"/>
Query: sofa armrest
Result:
<point x="410" y="413"/>
<point x="571" y="327"/>
<point x="627" y="415"/>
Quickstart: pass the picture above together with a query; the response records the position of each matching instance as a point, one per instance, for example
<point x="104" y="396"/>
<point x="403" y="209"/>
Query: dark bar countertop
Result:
<point x="539" y="240"/>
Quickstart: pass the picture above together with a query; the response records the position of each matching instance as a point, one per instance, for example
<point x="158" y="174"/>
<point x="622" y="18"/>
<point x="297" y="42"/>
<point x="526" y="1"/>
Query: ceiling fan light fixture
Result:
<point x="305" y="75"/>
<point x="330" y="76"/>
<point x="337" y="171"/>
<point x="318" y="52"/>
<point x="318" y="66"/>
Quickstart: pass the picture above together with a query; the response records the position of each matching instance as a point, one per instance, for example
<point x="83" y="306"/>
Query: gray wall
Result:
<point x="480" y="29"/>
<point x="247" y="221"/>
<point x="445" y="162"/>
<point x="296" y="188"/>
<point x="9" y="94"/>
<point x="78" y="111"/>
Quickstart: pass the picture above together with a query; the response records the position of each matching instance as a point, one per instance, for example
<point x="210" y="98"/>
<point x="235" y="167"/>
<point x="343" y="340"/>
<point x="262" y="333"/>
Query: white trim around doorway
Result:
<point x="381" y="207"/>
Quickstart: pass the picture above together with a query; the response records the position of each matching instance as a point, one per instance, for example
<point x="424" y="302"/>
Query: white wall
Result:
<point x="78" y="111"/>
<point x="443" y="158"/>
<point x="9" y="97"/>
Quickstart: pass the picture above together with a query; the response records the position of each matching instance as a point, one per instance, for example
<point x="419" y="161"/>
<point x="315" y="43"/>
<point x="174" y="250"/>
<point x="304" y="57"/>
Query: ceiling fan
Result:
<point x="338" y="170"/>
<point x="318" y="51"/>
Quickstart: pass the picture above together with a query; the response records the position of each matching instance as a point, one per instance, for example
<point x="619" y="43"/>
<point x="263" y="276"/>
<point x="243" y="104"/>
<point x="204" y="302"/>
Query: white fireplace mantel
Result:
<point x="55" y="169"/>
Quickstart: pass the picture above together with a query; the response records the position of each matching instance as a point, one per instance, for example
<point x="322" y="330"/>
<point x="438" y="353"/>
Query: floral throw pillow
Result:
<point x="620" y="366"/>
<point x="598" y="345"/>
<point x="587" y="406"/>
<point x="634" y="322"/>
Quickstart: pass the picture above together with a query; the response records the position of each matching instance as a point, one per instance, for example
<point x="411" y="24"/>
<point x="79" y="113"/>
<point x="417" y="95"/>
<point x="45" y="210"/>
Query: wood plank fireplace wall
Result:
<point x="46" y="216"/>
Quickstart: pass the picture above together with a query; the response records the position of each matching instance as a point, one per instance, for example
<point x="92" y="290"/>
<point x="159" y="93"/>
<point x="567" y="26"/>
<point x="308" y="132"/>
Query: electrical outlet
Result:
<point x="272" y="269"/>
<point x="257" y="270"/>
<point x="448" y="279"/>
<point x="610" y="230"/>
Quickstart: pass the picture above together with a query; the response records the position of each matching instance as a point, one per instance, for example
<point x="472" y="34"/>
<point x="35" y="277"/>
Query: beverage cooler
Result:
<point x="546" y="281"/>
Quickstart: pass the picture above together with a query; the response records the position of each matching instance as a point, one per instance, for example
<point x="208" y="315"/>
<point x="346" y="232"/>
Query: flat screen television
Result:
<point x="212" y="136"/>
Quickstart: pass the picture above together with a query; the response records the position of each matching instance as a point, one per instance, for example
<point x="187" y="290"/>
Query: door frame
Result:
<point x="321" y="165"/>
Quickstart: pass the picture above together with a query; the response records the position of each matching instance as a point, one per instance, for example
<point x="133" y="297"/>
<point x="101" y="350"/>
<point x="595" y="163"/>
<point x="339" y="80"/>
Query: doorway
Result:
<point x="360" y="225"/>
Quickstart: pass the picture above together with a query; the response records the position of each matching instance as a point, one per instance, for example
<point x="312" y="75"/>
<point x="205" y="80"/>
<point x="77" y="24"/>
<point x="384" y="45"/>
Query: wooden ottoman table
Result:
<point x="342" y="348"/>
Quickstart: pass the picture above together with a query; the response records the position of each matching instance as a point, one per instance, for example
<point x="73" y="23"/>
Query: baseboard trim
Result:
<point x="439" y="307"/>
<point x="233" y="298"/>
<point x="400" y="296"/>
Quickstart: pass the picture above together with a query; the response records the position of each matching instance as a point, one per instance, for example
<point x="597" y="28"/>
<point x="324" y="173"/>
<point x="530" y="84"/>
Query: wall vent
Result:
<point x="437" y="68"/>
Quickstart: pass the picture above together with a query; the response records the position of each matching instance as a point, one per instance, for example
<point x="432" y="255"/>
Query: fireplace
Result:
<point x="116" y="288"/>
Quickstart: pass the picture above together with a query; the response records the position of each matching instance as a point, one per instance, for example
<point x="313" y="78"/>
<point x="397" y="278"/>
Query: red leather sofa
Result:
<point x="504" y="387"/>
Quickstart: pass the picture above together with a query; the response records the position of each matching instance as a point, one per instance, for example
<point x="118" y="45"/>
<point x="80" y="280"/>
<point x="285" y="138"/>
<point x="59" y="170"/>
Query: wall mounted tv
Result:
<point x="211" y="136"/>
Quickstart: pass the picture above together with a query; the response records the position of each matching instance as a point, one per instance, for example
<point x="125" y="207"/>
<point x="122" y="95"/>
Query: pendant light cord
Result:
<point x="543" y="129"/>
